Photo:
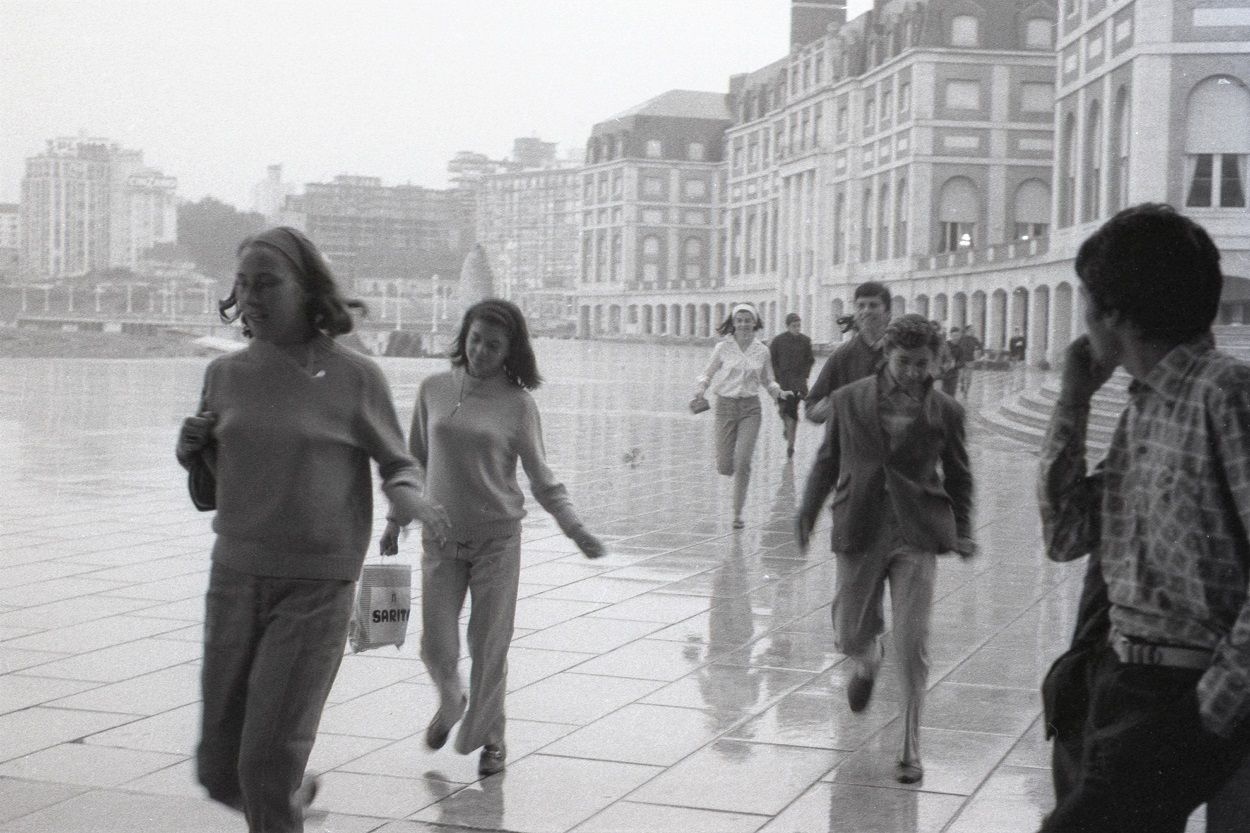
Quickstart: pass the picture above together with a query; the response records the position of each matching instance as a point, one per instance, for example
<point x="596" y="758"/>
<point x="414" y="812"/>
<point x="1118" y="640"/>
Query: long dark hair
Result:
<point x="520" y="367"/>
<point x="327" y="310"/>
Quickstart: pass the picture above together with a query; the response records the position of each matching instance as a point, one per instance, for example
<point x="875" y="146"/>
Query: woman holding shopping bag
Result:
<point x="281" y="448"/>
<point x="470" y="427"/>
<point x="747" y="367"/>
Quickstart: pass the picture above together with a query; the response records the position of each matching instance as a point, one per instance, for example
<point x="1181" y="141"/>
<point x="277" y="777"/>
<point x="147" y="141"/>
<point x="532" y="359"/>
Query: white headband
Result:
<point x="744" y="308"/>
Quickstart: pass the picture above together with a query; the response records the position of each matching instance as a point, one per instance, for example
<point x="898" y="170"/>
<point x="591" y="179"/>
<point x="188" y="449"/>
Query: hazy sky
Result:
<point x="212" y="92"/>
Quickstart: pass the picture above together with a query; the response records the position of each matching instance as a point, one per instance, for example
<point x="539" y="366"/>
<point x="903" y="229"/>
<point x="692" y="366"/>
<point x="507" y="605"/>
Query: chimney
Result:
<point x="809" y="19"/>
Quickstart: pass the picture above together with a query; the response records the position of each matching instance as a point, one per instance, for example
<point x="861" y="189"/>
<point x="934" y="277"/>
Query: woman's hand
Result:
<point x="388" y="544"/>
<point x="196" y="435"/>
<point x="433" y="518"/>
<point x="590" y="546"/>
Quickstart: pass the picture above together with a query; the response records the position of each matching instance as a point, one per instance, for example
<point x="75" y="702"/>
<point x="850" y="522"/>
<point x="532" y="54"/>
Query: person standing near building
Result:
<point x="1167" y="714"/>
<point x="857" y="358"/>
<point x="895" y="457"/>
<point x="1016" y="346"/>
<point x="969" y="349"/>
<point x="747" y="367"/>
<point x="470" y="427"/>
<point x="281" y="448"/>
<point x="947" y="372"/>
<point x="792" y="359"/>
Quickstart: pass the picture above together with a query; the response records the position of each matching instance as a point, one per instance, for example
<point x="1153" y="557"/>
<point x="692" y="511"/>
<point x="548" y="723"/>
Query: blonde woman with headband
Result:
<point x="745" y="365"/>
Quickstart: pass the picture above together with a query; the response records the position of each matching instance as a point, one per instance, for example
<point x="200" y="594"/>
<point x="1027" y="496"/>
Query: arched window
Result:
<point x="1032" y="209"/>
<point x="1092" y="204"/>
<point x="900" y="220"/>
<point x="1067" y="168"/>
<point x="750" y="243"/>
<point x="617" y="254"/>
<point x="1117" y="171"/>
<point x="1217" y="142"/>
<point x="692" y="255"/>
<point x="959" y="209"/>
<point x="965" y="30"/>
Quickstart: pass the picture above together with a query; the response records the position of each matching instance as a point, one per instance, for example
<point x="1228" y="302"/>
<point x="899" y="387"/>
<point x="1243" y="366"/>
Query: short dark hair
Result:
<point x="792" y="318"/>
<point x="520" y="367"/>
<point x="727" y="326"/>
<point x="1157" y="268"/>
<point x="872" y="288"/>
<point x="911" y="331"/>
<point x="328" y="311"/>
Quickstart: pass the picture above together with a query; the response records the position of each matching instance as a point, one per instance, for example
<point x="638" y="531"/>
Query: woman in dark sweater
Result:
<point x="286" y="428"/>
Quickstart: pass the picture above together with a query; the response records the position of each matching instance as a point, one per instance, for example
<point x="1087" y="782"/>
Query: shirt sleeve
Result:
<point x="714" y="365"/>
<point x="547" y="490"/>
<point x="766" y="374"/>
<point x="1069" y="499"/>
<point x="384" y="441"/>
<point x="824" y="381"/>
<point x="1224" y="690"/>
<point x="824" y="474"/>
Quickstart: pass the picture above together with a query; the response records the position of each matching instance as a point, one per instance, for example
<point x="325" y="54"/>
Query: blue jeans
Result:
<point x="272" y="647"/>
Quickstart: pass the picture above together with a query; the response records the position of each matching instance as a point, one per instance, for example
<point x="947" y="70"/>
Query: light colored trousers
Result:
<point x="737" y="427"/>
<point x="489" y="570"/>
<point x="858" y="617"/>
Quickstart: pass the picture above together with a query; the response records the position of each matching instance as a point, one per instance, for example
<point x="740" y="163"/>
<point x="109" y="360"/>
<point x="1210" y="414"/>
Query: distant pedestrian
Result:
<point x="282" y="444"/>
<point x="970" y="350"/>
<point x="792" y="359"/>
<point x="746" y="366"/>
<point x="1016" y="346"/>
<point x="860" y="356"/>
<point x="1151" y="705"/>
<point x="470" y="427"/>
<point x="947" y="371"/>
<point x="895" y="458"/>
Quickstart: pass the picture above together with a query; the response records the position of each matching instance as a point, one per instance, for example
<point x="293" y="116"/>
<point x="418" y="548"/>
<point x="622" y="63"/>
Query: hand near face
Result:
<point x="196" y="434"/>
<point x="1083" y="373"/>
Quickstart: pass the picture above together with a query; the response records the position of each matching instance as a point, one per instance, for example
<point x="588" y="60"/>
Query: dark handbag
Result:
<point x="202" y="484"/>
<point x="699" y="404"/>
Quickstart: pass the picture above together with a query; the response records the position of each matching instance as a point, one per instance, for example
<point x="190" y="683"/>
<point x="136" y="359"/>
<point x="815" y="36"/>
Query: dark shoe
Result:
<point x="859" y="692"/>
<point x="492" y="760"/>
<point x="908" y="772"/>
<point x="440" y="727"/>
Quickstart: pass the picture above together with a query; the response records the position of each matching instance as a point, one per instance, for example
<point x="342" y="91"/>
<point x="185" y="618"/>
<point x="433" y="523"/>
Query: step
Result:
<point x="1012" y="412"/>
<point x="1033" y="402"/>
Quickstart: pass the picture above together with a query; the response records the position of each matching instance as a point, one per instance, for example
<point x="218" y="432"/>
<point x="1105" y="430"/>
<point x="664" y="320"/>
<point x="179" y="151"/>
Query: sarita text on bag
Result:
<point x="391" y="615"/>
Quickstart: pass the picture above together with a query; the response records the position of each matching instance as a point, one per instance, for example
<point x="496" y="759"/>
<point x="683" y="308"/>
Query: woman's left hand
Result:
<point x="388" y="544"/>
<point x="590" y="546"/>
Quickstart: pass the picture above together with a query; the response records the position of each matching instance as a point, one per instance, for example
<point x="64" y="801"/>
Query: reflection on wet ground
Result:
<point x="686" y="682"/>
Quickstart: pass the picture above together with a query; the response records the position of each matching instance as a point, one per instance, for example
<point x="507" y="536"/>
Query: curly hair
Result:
<point x="327" y="310"/>
<point x="520" y="367"/>
<point x="911" y="331"/>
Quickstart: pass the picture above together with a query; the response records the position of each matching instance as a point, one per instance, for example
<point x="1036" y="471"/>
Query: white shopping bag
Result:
<point x="383" y="606"/>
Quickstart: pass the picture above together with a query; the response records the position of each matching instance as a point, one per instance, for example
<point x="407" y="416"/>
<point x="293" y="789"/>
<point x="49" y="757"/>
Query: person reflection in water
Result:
<point x="470" y="427"/>
<point x="281" y="448"/>
<point x="894" y="511"/>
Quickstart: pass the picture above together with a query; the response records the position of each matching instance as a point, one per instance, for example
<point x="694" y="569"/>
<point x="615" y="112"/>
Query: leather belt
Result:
<point x="1136" y="652"/>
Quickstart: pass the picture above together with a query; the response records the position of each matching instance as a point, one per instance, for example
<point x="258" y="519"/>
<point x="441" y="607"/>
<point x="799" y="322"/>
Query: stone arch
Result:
<point x="1061" y="319"/>
<point x="941" y="308"/>
<point x="1019" y="316"/>
<point x="996" y="325"/>
<point x="705" y="320"/>
<point x="898" y="305"/>
<point x="959" y="309"/>
<point x="922" y="305"/>
<point x="977" y="315"/>
<point x="1039" y="322"/>
<point x="648" y="320"/>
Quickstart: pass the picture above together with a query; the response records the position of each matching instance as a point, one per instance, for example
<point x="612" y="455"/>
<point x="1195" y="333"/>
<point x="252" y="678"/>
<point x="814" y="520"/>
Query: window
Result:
<point x="735" y="244"/>
<point x="900" y="220"/>
<point x="693" y="252"/>
<point x="870" y="113"/>
<point x="839" y="225"/>
<point x="1067" y="164"/>
<point x="904" y="97"/>
<point x="963" y="95"/>
<point x="694" y="189"/>
<point x="1037" y="97"/>
<point x="617" y="252"/>
<point x="618" y="184"/>
<point x="1031" y="210"/>
<point x="883" y="223"/>
<point x="959" y="208"/>
<point x="865" y="219"/>
<point x="653" y="216"/>
<point x="1117" y="188"/>
<point x="653" y="186"/>
<point x="1217" y="144"/>
<point x="1092" y="204"/>
<point x="749" y="244"/>
<point x="696" y="151"/>
<point x="965" y="31"/>
<point x="887" y="105"/>
<point x="841" y="122"/>
<point x="1038" y="34"/>
<point x="655" y="149"/>
<point x="650" y="246"/>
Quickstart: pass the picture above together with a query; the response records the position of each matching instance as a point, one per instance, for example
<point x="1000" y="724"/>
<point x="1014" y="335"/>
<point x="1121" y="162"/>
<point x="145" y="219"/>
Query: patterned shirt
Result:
<point x="1168" y="512"/>
<point x="745" y="370"/>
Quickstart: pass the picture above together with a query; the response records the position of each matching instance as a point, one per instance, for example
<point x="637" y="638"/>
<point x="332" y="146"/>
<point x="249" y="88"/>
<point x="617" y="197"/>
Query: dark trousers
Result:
<point x="1146" y="762"/>
<point x="272" y="647"/>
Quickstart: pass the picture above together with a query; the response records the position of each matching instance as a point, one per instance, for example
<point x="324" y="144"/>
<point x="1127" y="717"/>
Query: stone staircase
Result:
<point x="1025" y="415"/>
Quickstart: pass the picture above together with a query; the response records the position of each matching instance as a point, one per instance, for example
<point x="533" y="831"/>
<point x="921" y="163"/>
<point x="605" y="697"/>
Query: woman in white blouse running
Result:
<point x="746" y="365"/>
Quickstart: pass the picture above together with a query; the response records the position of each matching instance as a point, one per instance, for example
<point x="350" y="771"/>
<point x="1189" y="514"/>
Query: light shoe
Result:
<point x="492" y="759"/>
<point x="440" y="727"/>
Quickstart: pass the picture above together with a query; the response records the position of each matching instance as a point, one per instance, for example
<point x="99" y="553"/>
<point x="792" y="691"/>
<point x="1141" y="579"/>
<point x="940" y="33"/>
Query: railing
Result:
<point x="987" y="255"/>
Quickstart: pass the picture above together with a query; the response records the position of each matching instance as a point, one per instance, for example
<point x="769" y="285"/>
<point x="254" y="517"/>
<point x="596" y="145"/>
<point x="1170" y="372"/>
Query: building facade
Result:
<point x="10" y="241"/>
<point x="379" y="238"/>
<point x="269" y="195"/>
<point x="90" y="204"/>
<point x="960" y="151"/>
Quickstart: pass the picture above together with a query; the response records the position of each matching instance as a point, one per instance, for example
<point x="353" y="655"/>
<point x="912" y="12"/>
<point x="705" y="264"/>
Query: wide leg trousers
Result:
<point x="272" y="647"/>
<point x="737" y="428"/>
<point x="488" y="570"/>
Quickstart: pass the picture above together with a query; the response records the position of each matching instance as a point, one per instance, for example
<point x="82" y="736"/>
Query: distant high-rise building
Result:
<point x="269" y="195"/>
<point x="374" y="233"/>
<point x="532" y="152"/>
<point x="10" y="239"/>
<point x="810" y="19"/>
<point x="87" y="204"/>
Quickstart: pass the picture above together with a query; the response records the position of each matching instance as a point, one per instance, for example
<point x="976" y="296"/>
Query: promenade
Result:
<point x="687" y="682"/>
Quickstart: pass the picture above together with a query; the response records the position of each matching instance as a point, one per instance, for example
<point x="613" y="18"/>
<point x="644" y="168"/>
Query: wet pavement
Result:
<point x="688" y="681"/>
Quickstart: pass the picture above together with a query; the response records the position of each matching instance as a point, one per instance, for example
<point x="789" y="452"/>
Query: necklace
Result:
<point x="464" y="377"/>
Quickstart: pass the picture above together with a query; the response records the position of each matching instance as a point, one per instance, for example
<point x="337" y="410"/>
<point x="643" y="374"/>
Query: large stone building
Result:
<point x="10" y="240"/>
<point x="380" y="239"/>
<point x="960" y="151"/>
<point x="90" y="204"/>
